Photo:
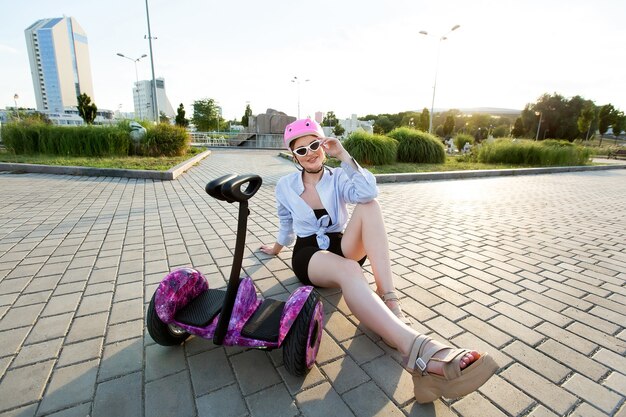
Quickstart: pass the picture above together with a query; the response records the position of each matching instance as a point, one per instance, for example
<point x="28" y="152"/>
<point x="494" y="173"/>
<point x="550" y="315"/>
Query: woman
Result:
<point x="330" y="250"/>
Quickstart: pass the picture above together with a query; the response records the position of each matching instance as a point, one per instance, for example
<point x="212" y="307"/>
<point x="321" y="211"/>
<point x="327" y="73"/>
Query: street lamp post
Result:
<point x="432" y="104"/>
<point x="135" y="60"/>
<point x="17" y="113"/>
<point x="297" y="81"/>
<point x="538" y="113"/>
<point x="155" y="101"/>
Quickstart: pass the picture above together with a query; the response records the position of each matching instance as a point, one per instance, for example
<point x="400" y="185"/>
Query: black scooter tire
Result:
<point x="161" y="332"/>
<point x="296" y="342"/>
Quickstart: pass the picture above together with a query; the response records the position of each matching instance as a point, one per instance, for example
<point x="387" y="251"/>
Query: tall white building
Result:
<point x="142" y="97"/>
<point x="59" y="63"/>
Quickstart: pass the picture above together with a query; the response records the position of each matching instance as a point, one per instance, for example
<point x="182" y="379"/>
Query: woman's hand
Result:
<point x="271" y="249"/>
<point x="334" y="148"/>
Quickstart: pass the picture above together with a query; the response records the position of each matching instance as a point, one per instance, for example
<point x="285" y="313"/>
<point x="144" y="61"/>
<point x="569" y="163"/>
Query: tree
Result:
<point x="339" y="130"/>
<point x="180" y="116"/>
<point x="205" y="114"/>
<point x="383" y="125"/>
<point x="619" y="124"/>
<point x="448" y="126"/>
<point x="518" y="128"/>
<point x="424" y="121"/>
<point x="330" y="119"/>
<point x="587" y="114"/>
<point x="605" y="119"/>
<point x="163" y="118"/>
<point x="86" y="109"/>
<point x="245" y="119"/>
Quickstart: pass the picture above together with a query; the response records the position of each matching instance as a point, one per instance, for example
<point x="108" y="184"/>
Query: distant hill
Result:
<point x="484" y="110"/>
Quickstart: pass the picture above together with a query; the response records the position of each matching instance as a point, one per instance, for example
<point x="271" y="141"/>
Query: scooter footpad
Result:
<point x="265" y="322"/>
<point x="202" y="309"/>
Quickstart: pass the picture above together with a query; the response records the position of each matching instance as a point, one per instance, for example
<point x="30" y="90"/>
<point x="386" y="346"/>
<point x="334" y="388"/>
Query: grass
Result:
<point x="451" y="164"/>
<point x="128" y="162"/>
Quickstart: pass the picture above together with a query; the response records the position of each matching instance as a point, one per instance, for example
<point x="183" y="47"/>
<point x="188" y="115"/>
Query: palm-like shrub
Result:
<point x="418" y="147"/>
<point x="461" y="139"/>
<point x="549" y="152"/>
<point x="371" y="149"/>
<point x="166" y="140"/>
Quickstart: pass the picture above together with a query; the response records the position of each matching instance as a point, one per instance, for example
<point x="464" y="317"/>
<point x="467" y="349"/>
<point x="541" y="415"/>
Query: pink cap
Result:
<point x="302" y="127"/>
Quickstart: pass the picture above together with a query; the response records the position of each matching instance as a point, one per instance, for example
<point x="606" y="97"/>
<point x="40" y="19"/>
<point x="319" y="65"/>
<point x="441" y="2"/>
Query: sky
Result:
<point x="360" y="57"/>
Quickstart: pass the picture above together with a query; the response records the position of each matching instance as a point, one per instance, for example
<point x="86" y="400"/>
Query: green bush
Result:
<point x="166" y="140"/>
<point x="418" y="147"/>
<point x="547" y="153"/>
<point x="371" y="149"/>
<point x="37" y="137"/>
<point x="461" y="139"/>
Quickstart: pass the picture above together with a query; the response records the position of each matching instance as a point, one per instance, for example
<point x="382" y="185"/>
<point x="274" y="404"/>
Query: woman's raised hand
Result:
<point x="334" y="148"/>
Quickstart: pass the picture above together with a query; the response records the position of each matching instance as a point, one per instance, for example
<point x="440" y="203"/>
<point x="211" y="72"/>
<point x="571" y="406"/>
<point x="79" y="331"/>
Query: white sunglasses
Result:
<point x="303" y="150"/>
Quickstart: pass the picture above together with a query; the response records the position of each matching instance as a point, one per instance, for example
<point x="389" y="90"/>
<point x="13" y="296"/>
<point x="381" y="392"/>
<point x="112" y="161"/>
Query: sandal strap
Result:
<point x="423" y="350"/>
<point x="389" y="296"/>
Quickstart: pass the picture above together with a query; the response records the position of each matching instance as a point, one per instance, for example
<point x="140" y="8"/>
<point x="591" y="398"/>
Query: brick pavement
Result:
<point x="529" y="268"/>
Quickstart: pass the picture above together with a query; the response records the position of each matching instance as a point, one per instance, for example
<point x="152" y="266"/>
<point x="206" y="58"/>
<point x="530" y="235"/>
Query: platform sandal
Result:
<point x="455" y="382"/>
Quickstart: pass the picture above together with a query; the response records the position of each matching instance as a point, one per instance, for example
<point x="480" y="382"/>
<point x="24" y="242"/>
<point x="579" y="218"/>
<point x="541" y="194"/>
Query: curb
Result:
<point x="169" y="175"/>
<point x="456" y="175"/>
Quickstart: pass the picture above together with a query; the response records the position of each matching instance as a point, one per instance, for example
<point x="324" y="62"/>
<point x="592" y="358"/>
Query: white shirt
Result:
<point x="336" y="188"/>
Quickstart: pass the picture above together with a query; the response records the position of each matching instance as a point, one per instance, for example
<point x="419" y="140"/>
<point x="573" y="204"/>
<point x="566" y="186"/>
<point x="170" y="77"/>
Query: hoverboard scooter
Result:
<point x="183" y="304"/>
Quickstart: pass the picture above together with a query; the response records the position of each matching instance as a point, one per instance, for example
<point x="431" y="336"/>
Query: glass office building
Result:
<point x="59" y="62"/>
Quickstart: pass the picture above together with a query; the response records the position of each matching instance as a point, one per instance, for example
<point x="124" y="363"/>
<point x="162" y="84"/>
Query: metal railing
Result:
<point x="238" y="139"/>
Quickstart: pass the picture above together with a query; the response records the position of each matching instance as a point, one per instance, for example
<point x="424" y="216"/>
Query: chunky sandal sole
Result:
<point x="430" y="387"/>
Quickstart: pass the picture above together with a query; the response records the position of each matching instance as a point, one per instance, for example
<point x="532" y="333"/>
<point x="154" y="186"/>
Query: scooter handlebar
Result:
<point x="229" y="187"/>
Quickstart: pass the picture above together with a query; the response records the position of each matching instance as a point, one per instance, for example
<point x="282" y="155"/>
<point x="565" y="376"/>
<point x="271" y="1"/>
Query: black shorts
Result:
<point x="304" y="249"/>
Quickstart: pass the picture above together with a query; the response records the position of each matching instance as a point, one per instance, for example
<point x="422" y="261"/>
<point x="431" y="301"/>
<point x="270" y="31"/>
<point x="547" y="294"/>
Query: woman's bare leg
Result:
<point x="329" y="270"/>
<point x="365" y="234"/>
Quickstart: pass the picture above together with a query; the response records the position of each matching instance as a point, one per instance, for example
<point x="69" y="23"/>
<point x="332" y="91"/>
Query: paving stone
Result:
<point x="369" y="400"/>
<point x="24" y="385"/>
<point x="344" y="374"/>
<point x="616" y="382"/>
<point x="123" y="331"/>
<point x="593" y="393"/>
<point x="51" y="327"/>
<point x="476" y="405"/>
<point x="254" y="371"/>
<point x="12" y="340"/>
<point x="81" y="351"/>
<point x="322" y="401"/>
<point x="392" y="378"/>
<point x="126" y="311"/>
<point x="611" y="359"/>
<point x="163" y="360"/>
<point x="485" y="331"/>
<point x="163" y="401"/>
<point x="70" y="385"/>
<point x="513" y="401"/>
<point x="362" y="349"/>
<point x="226" y="402"/>
<point x="574" y="360"/>
<point x="121" y="358"/>
<point x="38" y="352"/>
<point x="272" y="402"/>
<point x="20" y="317"/>
<point x="27" y="411"/>
<point x="539" y="388"/>
<point x="542" y="411"/>
<point x="567" y="338"/>
<point x="119" y="397"/>
<point x="210" y="371"/>
<point x="87" y="327"/>
<point x="296" y="384"/>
